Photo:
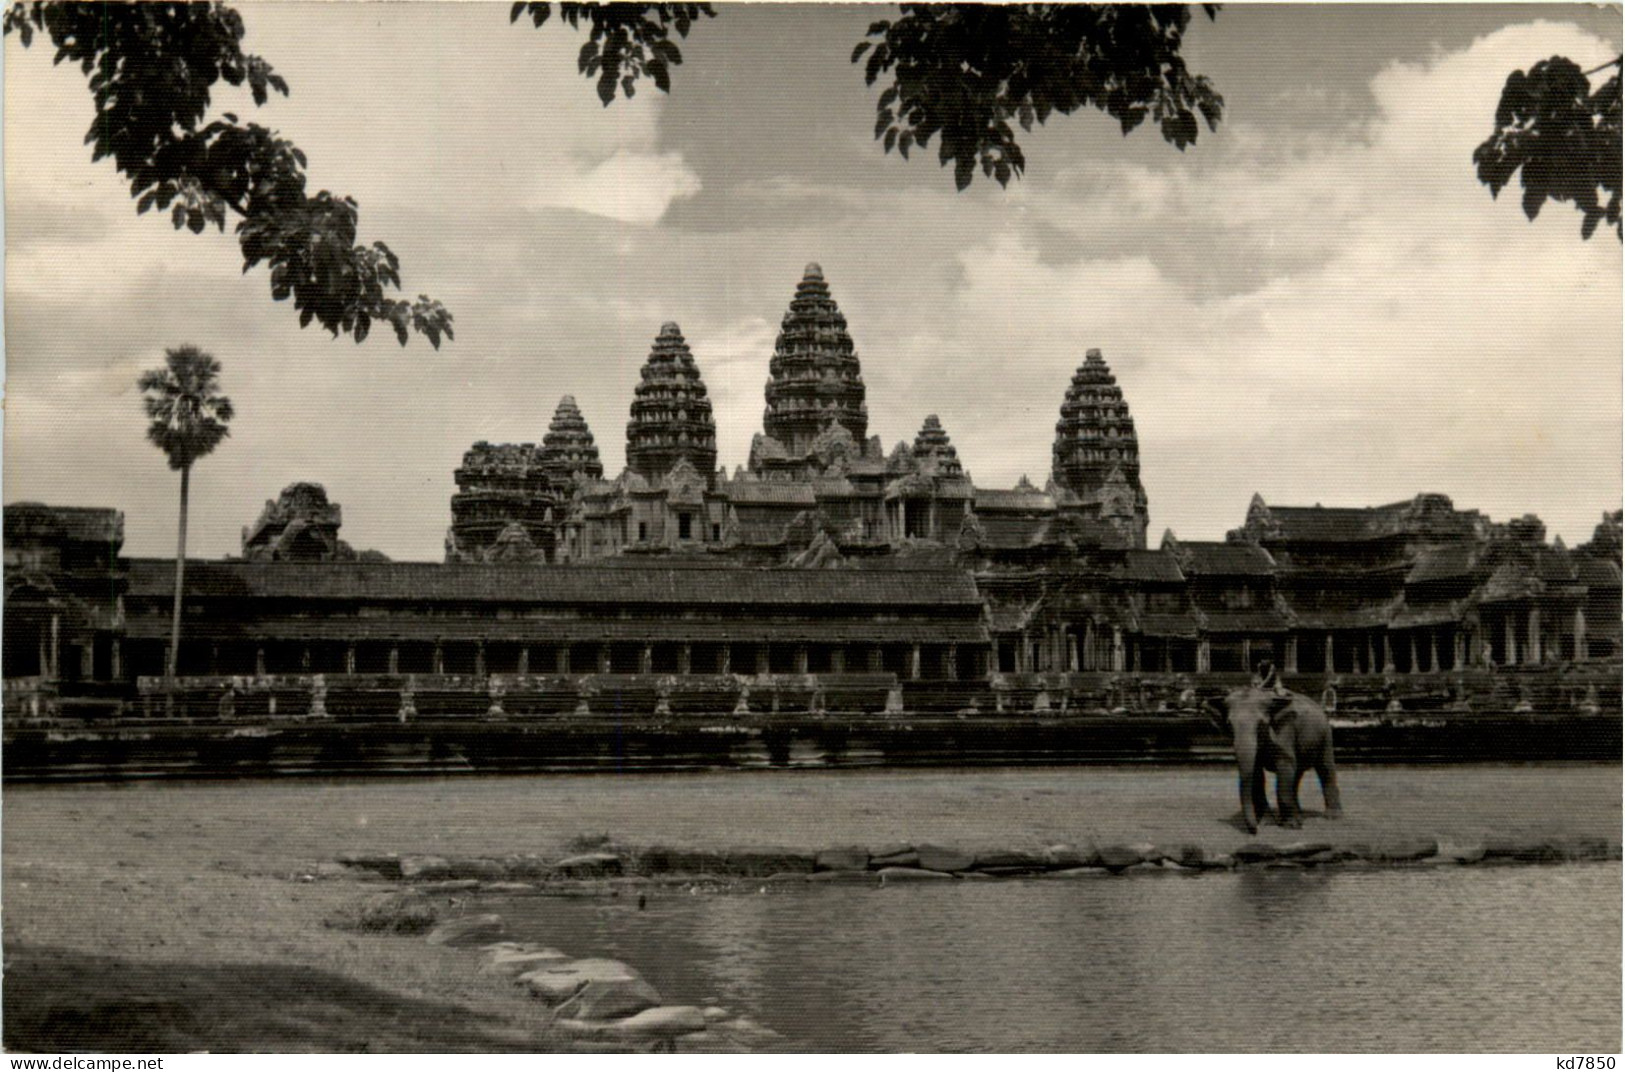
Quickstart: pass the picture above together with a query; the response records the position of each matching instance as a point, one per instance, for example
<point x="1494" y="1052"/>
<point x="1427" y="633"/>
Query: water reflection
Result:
<point x="1448" y="960"/>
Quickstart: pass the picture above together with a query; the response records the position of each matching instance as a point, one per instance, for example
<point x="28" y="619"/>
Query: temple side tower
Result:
<point x="814" y="374"/>
<point x="1097" y="455"/>
<point x="568" y="451"/>
<point x="671" y="415"/>
<point x="933" y="453"/>
<point x="502" y="488"/>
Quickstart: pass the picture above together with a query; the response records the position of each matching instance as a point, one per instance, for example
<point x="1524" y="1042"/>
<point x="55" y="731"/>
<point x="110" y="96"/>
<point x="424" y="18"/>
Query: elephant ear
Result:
<point x="1281" y="713"/>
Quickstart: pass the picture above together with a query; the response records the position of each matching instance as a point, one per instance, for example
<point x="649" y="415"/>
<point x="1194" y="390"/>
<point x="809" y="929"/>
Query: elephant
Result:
<point x="1288" y="734"/>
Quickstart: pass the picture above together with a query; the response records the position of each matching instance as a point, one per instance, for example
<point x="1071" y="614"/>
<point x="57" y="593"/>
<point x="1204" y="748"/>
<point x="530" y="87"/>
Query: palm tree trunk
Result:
<point x="180" y="581"/>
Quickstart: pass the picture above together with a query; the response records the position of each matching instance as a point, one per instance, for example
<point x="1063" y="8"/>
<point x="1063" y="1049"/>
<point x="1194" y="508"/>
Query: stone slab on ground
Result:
<point x="842" y="858"/>
<point x="770" y="861"/>
<point x="519" y="961"/>
<point x="657" y="1022"/>
<point x="559" y="982"/>
<point x="1118" y="857"/>
<point x="856" y="878"/>
<point x="609" y="999"/>
<point x="468" y="930"/>
<point x="941" y="858"/>
<point x="588" y="865"/>
<point x="424" y="868"/>
<point x="890" y="875"/>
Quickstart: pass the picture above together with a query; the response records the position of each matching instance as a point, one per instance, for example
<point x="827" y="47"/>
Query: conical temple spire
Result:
<point x="1095" y="441"/>
<point x="671" y="415"/>
<point x="815" y="378"/>
<point x="1095" y="432"/>
<point x="568" y="449"/>
<point x="933" y="451"/>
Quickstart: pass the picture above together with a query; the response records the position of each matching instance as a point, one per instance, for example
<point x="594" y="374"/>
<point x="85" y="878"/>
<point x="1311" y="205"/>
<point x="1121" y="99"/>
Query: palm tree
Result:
<point x="188" y="418"/>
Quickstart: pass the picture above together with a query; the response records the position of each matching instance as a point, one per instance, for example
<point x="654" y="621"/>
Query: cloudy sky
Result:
<point x="1319" y="302"/>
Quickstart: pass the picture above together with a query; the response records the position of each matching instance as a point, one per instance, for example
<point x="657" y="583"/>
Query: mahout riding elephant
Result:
<point x="1287" y="733"/>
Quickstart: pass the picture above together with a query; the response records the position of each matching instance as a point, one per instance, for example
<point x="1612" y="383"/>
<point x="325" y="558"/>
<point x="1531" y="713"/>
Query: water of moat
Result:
<point x="1522" y="959"/>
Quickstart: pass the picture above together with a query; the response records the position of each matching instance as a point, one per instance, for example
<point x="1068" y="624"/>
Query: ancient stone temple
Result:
<point x="569" y="455"/>
<point x="510" y="496"/>
<point x="1097" y="455"/>
<point x="671" y="415"/>
<point x="929" y="495"/>
<point x="814" y="388"/>
<point x="300" y="525"/>
<point x="825" y="555"/>
<point x="504" y="490"/>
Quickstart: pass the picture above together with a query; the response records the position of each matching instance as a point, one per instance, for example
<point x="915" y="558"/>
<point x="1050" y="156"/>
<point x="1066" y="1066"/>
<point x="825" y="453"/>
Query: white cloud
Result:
<point x="1434" y="339"/>
<point x="629" y="187"/>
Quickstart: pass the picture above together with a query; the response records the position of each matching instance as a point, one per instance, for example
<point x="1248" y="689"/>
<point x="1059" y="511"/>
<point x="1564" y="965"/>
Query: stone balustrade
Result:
<point x="1588" y="690"/>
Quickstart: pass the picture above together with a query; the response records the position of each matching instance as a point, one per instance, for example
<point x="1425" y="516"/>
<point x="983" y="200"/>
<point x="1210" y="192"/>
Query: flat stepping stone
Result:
<point x="845" y="858"/>
<point x="385" y="863"/>
<point x="938" y="858"/>
<point x="612" y="999"/>
<point x="1406" y="851"/>
<point x="889" y="875"/>
<point x="591" y="989"/>
<point x="1067" y="857"/>
<point x="1255" y="852"/>
<point x="588" y="865"/>
<point x="1184" y="855"/>
<point x="469" y="930"/>
<point x="1119" y="857"/>
<point x="663" y="860"/>
<point x="898" y="857"/>
<point x="1009" y="861"/>
<point x="769" y="861"/>
<point x="659" y="1022"/>
<point x="425" y="867"/>
<point x="519" y="961"/>
<point x="864" y="877"/>
<point x="479" y="867"/>
<point x="1079" y="872"/>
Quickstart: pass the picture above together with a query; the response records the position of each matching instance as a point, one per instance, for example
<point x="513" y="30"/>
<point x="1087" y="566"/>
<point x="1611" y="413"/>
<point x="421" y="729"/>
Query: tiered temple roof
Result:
<point x="671" y="415"/>
<point x="933" y="452"/>
<point x="1095" y="433"/>
<point x="300" y="525"/>
<point x="568" y="450"/>
<point x="498" y="485"/>
<point x="815" y="377"/>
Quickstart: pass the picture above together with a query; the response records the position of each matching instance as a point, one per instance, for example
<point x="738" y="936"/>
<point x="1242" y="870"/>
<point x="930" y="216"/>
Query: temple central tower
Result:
<point x="671" y="415"/>
<point x="815" y="378"/>
<point x="1097" y="455"/>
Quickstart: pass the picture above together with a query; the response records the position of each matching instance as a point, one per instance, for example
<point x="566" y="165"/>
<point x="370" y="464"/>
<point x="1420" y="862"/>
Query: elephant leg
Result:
<point x="1328" y="788"/>
<point x="1258" y="790"/>
<point x="1249" y="810"/>
<point x="1286" y="791"/>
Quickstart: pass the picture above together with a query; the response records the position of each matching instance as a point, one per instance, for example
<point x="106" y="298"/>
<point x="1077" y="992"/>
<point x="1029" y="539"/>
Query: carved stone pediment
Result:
<point x="683" y="484"/>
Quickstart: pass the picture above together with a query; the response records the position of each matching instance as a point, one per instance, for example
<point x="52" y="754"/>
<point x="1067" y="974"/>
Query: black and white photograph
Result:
<point x="795" y="528"/>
